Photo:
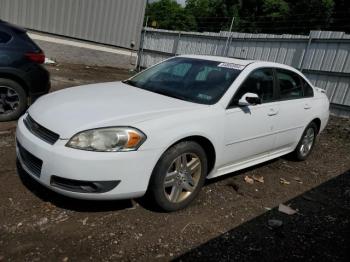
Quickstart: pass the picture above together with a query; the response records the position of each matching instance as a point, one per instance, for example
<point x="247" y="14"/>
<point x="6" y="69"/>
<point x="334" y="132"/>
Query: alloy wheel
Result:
<point x="9" y="100"/>
<point x="182" y="177"/>
<point x="307" y="142"/>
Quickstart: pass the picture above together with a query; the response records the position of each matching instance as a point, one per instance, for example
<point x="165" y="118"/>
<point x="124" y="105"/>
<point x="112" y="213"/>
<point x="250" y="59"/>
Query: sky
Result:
<point x="182" y="2"/>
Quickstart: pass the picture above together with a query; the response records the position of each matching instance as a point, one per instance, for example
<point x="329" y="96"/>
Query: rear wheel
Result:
<point x="178" y="176"/>
<point x="13" y="100"/>
<point x="306" y="142"/>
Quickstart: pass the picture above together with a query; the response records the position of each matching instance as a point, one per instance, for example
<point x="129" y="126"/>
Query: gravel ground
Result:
<point x="231" y="218"/>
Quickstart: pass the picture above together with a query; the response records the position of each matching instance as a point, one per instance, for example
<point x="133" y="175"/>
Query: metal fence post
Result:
<point x="176" y="44"/>
<point x="141" y="47"/>
<point x="225" y="51"/>
<point x="301" y="67"/>
<point x="229" y="44"/>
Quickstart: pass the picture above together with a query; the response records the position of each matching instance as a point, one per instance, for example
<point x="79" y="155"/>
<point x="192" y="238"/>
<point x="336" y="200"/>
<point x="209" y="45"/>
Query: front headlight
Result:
<point x="110" y="139"/>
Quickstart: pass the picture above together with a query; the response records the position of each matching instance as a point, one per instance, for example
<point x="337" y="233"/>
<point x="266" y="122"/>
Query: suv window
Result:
<point x="290" y="85"/>
<point x="4" y="37"/>
<point x="259" y="82"/>
<point x="308" y="91"/>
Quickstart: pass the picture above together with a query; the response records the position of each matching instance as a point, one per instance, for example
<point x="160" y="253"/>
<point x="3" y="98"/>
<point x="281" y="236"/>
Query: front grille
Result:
<point x="33" y="163"/>
<point x="40" y="131"/>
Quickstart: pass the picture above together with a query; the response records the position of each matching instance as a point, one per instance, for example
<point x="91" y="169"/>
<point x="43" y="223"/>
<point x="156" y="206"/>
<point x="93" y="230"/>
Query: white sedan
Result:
<point x="170" y="127"/>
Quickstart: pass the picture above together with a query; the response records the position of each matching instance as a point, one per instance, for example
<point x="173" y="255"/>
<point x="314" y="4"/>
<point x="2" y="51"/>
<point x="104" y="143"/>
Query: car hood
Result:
<point x="76" y="109"/>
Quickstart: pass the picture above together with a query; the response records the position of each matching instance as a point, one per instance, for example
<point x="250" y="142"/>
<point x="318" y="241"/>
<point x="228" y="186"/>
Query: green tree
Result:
<point x="200" y="8"/>
<point x="275" y="9"/>
<point x="256" y="16"/>
<point x="340" y="17"/>
<point x="168" y="14"/>
<point x="213" y="15"/>
<point x="306" y="15"/>
<point x="259" y="16"/>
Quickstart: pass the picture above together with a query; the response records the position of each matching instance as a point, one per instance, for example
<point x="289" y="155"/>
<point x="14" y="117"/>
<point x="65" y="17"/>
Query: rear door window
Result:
<point x="290" y="85"/>
<point x="4" y="37"/>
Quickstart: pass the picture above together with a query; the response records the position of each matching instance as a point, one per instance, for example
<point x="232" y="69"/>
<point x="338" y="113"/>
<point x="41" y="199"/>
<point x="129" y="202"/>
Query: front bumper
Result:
<point x="132" y="170"/>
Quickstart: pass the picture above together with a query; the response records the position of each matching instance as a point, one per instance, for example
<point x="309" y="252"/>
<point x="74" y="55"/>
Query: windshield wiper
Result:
<point x="161" y="92"/>
<point x="166" y="93"/>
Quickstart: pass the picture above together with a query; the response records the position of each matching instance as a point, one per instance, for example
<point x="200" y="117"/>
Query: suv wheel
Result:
<point x="13" y="100"/>
<point x="178" y="176"/>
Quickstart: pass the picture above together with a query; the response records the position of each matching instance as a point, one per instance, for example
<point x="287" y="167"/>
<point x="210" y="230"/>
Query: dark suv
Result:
<point x="22" y="77"/>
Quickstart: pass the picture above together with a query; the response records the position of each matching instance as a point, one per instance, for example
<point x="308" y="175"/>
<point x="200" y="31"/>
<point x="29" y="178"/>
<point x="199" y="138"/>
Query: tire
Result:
<point x="13" y="100"/>
<point x="306" y="143"/>
<point x="178" y="176"/>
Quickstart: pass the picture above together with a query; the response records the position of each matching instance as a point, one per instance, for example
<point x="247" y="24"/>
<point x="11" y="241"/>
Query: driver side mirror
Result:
<point x="249" y="99"/>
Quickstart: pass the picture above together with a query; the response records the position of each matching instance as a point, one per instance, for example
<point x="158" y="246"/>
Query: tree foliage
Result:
<point x="168" y="14"/>
<point x="257" y="16"/>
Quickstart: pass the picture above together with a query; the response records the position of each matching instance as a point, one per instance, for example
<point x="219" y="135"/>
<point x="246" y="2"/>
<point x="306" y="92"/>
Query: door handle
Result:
<point x="307" y="106"/>
<point x="272" y="112"/>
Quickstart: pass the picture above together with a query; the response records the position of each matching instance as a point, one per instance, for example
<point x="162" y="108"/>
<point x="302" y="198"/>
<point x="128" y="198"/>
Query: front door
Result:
<point x="249" y="130"/>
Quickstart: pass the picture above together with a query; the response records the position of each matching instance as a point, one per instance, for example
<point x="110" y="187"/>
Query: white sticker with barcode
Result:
<point x="231" y="66"/>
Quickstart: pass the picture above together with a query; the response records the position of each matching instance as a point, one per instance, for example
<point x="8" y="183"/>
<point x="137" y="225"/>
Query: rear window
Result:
<point x="4" y="37"/>
<point x="28" y="40"/>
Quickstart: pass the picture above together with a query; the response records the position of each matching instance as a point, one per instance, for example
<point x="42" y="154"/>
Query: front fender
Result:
<point x="164" y="133"/>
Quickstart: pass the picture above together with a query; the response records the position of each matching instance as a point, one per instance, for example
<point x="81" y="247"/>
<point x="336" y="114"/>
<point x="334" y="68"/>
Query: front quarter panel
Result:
<point x="164" y="132"/>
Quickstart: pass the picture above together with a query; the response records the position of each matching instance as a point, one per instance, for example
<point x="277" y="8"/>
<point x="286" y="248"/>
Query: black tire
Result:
<point x="299" y="154"/>
<point x="157" y="190"/>
<point x="18" y="95"/>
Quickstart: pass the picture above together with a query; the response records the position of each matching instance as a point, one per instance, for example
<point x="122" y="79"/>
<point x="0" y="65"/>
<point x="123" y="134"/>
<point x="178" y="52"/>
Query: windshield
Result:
<point x="194" y="80"/>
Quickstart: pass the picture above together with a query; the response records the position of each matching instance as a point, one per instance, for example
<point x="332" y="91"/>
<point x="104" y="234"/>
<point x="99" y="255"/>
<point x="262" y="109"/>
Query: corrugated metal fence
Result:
<point x="323" y="56"/>
<point x="113" y="22"/>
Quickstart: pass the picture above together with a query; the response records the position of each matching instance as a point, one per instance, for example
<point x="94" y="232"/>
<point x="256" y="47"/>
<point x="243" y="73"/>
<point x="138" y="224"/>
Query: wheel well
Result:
<point x="317" y="121"/>
<point x="18" y="80"/>
<point x="207" y="146"/>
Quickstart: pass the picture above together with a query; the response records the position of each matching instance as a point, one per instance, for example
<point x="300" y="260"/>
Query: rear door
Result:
<point x="294" y="106"/>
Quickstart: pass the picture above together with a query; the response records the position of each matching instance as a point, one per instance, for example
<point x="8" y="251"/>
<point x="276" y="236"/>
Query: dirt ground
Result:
<point x="231" y="219"/>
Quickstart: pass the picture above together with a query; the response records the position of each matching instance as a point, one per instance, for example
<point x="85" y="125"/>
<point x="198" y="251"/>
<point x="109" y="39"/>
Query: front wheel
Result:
<point x="306" y="143"/>
<point x="178" y="176"/>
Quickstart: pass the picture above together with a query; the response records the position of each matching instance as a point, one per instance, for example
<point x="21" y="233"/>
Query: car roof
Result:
<point x="238" y="61"/>
<point x="5" y="25"/>
<point x="223" y="59"/>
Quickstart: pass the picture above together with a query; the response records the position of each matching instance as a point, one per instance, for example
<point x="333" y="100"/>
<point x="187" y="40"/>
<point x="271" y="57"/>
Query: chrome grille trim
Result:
<point x="40" y="131"/>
